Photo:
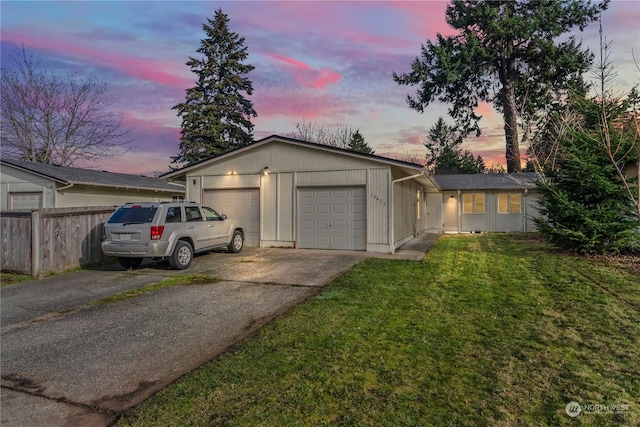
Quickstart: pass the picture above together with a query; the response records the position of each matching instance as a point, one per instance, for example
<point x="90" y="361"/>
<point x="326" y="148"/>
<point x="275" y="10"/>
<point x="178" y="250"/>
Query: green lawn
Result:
<point x="492" y="329"/>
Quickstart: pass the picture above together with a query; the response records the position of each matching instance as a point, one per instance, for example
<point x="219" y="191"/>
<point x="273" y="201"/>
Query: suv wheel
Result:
<point x="182" y="256"/>
<point x="237" y="242"/>
<point x="128" y="263"/>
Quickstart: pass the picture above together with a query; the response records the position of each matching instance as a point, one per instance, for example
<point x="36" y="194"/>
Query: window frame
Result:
<point x="510" y="203"/>
<point x="474" y="203"/>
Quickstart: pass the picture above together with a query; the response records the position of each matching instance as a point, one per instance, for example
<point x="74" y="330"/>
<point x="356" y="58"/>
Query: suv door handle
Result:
<point x="190" y="227"/>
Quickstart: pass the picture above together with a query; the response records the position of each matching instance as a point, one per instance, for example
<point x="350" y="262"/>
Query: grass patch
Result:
<point x="13" y="278"/>
<point x="488" y="330"/>
<point x="182" y="280"/>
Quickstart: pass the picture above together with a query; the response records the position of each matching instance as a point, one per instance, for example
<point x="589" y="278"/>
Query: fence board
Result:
<point x="16" y="242"/>
<point x="68" y="238"/>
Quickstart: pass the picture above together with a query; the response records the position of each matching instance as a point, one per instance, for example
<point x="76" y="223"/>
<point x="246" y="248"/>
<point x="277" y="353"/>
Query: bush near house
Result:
<point x="492" y="329"/>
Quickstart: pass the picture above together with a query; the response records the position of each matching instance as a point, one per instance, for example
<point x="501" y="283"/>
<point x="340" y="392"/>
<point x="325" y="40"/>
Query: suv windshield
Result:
<point x="139" y="215"/>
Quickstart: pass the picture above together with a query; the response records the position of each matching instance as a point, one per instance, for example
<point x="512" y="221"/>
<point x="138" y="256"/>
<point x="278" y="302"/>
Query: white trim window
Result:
<point x="509" y="203"/>
<point x="473" y="203"/>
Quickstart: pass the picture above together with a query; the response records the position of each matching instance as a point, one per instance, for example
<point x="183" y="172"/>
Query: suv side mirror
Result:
<point x="223" y="217"/>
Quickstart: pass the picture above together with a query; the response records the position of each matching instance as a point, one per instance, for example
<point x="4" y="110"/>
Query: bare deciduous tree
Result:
<point x="340" y="136"/>
<point x="619" y="134"/>
<point x="52" y="119"/>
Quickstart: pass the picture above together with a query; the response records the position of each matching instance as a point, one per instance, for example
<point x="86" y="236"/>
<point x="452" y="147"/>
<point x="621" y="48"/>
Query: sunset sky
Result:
<point x="321" y="61"/>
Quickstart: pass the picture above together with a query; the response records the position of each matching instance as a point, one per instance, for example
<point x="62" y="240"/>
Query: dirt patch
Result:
<point x="630" y="263"/>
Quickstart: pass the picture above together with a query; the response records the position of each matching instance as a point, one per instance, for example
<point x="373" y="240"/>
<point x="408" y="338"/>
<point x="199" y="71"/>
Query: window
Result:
<point x="133" y="215"/>
<point x="473" y="203"/>
<point x="174" y="214"/>
<point x="193" y="213"/>
<point x="509" y="203"/>
<point x="211" y="215"/>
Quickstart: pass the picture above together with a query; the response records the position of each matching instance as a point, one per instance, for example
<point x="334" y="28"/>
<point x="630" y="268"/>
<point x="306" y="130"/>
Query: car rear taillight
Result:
<point x="156" y="232"/>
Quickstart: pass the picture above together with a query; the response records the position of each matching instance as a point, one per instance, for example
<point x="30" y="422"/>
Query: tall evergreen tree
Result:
<point x="357" y="143"/>
<point x="505" y="52"/>
<point x="216" y="115"/>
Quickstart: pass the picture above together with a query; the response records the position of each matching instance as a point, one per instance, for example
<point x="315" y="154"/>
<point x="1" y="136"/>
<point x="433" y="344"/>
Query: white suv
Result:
<point x="173" y="230"/>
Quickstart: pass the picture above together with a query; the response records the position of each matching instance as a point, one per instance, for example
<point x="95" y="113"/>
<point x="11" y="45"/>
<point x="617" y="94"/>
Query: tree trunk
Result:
<point x="511" y="129"/>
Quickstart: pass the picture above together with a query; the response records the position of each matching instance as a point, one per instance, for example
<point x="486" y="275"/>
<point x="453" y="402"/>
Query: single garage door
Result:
<point x="332" y="218"/>
<point x="240" y="204"/>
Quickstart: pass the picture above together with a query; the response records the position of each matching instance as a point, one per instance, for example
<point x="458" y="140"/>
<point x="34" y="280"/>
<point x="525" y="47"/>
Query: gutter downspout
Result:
<point x="524" y="209"/>
<point x="60" y="190"/>
<point x="66" y="187"/>
<point x="392" y="244"/>
<point x="459" y="212"/>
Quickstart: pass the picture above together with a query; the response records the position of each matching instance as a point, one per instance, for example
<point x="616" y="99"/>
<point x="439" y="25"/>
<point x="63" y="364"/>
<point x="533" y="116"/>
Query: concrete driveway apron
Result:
<point x="69" y="361"/>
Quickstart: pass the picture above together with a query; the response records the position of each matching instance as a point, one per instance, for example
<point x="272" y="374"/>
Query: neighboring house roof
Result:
<point x="385" y="160"/>
<point x="78" y="176"/>
<point x="489" y="181"/>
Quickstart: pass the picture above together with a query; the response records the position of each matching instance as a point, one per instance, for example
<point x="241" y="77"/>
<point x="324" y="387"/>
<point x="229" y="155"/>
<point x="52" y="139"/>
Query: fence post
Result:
<point x="35" y="243"/>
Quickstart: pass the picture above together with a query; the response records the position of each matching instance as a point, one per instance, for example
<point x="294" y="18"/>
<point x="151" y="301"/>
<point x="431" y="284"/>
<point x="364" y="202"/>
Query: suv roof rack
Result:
<point x="160" y="201"/>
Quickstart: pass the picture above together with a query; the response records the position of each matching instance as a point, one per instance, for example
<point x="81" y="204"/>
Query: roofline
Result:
<point x="130" y="187"/>
<point x="298" y="142"/>
<point x="92" y="184"/>
<point x="25" y="169"/>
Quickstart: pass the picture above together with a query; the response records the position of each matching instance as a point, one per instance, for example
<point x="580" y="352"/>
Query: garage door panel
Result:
<point x="359" y="225"/>
<point x="240" y="204"/>
<point x="332" y="218"/>
<point x="322" y="209"/>
<point x="358" y="209"/>
<point x="340" y="209"/>
<point x="341" y="225"/>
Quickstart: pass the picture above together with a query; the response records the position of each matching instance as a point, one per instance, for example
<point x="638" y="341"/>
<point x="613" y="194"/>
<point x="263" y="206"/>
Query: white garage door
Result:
<point x="332" y="218"/>
<point x="242" y="205"/>
<point x="26" y="201"/>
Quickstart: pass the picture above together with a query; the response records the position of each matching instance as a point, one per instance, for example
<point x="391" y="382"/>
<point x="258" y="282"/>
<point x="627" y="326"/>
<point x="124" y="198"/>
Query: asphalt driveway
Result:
<point x="69" y="361"/>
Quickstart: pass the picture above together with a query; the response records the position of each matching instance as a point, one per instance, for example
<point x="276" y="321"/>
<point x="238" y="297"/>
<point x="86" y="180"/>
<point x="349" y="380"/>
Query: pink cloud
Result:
<point x="274" y="103"/>
<point x="485" y="109"/>
<point x="145" y="69"/>
<point x="425" y="19"/>
<point x="305" y="75"/>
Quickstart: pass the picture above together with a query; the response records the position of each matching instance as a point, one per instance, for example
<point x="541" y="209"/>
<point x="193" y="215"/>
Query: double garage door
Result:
<point x="240" y="204"/>
<point x="332" y="218"/>
<point x="328" y="217"/>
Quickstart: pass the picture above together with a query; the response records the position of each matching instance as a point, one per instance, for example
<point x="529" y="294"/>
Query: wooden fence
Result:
<point x="52" y="240"/>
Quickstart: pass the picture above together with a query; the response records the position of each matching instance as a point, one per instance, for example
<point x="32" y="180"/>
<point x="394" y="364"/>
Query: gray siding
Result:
<point x="285" y="208"/>
<point x="454" y="220"/>
<point x="269" y="207"/>
<point x="291" y="167"/>
<point x="405" y="210"/>
<point x="378" y="206"/>
<point x="16" y="181"/>
<point x="106" y="196"/>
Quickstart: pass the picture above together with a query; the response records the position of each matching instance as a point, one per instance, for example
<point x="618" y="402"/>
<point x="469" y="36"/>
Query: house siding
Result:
<point x="454" y="220"/>
<point x="290" y="168"/>
<point x="106" y="196"/>
<point x="405" y="210"/>
<point x="56" y="194"/>
<point x="378" y="207"/>
<point x="13" y="180"/>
